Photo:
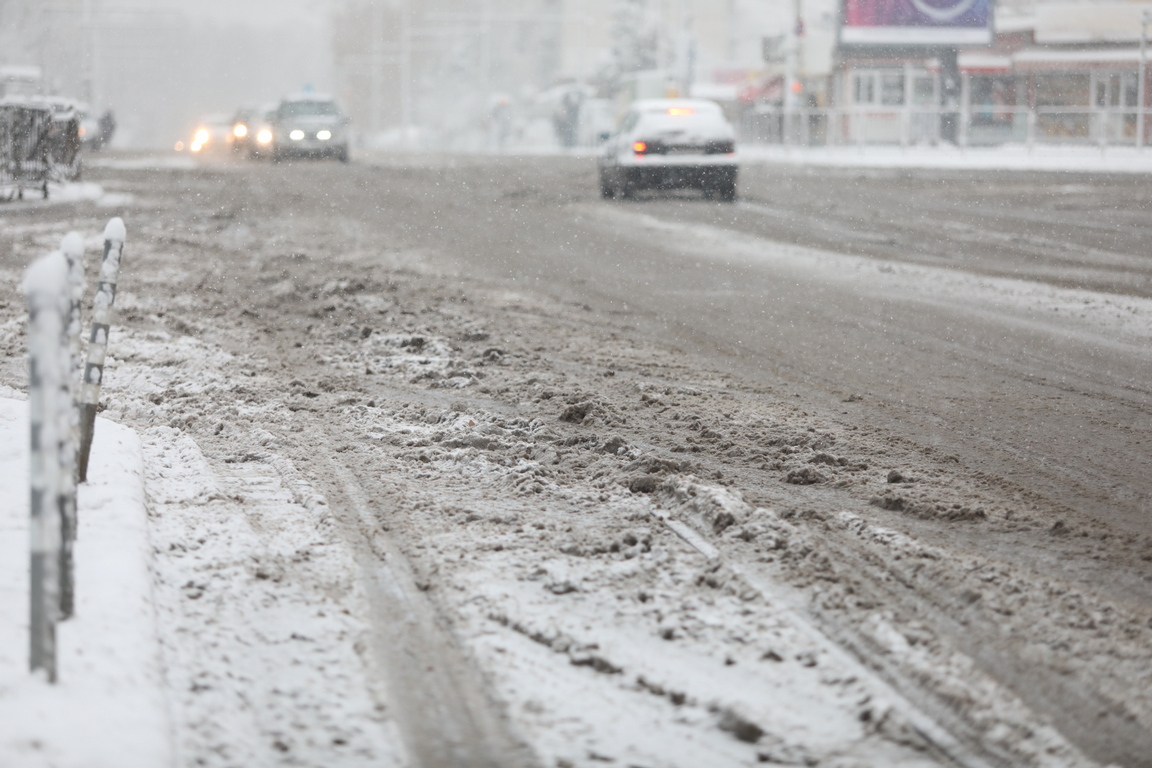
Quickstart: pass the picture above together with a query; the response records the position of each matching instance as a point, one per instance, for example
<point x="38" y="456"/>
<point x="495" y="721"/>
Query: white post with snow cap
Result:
<point x="114" y="236"/>
<point x="49" y="296"/>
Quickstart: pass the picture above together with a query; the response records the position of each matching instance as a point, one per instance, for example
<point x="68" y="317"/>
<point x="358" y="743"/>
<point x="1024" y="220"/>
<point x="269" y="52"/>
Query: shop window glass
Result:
<point x="992" y="99"/>
<point x="892" y="89"/>
<point x="1063" y="90"/>
<point x="864" y="91"/>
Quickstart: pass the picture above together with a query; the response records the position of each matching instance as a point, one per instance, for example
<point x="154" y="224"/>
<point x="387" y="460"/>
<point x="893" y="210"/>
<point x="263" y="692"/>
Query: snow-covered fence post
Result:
<point x="46" y="285"/>
<point x="114" y="236"/>
<point x="73" y="249"/>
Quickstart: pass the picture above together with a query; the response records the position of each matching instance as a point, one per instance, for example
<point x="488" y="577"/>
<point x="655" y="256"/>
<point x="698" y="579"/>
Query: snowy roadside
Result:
<point x="1079" y="159"/>
<point x="199" y="638"/>
<point x="1009" y="158"/>
<point x="109" y="709"/>
<point x="74" y="192"/>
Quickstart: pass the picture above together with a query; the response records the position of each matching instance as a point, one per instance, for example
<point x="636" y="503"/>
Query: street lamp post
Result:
<point x="405" y="72"/>
<point x="791" y="71"/>
<point x="1141" y="88"/>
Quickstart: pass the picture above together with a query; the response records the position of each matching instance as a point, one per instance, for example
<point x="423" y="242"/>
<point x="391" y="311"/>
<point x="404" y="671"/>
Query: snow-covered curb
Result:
<point x="1012" y="158"/>
<point x="109" y="709"/>
<point x="75" y="192"/>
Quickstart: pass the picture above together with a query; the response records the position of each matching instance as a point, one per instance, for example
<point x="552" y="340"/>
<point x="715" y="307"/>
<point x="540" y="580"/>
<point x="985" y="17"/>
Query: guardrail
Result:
<point x="39" y="143"/>
<point x="59" y="425"/>
<point x="927" y="126"/>
<point x="64" y="143"/>
<point x="25" y="147"/>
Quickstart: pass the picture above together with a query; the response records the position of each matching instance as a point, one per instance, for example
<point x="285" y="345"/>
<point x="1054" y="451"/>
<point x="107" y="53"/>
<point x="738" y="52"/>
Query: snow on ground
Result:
<point x="1006" y="158"/>
<point x="216" y="621"/>
<point x="252" y="612"/>
<point x="109" y="709"/>
<point x="146" y="162"/>
<point x="73" y="192"/>
<point x="624" y="607"/>
<point x="1013" y="157"/>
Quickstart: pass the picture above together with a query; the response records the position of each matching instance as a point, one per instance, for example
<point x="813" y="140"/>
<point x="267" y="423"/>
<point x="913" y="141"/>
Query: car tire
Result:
<point x="719" y="184"/>
<point x="626" y="187"/>
<point x="607" y="191"/>
<point x="342" y="154"/>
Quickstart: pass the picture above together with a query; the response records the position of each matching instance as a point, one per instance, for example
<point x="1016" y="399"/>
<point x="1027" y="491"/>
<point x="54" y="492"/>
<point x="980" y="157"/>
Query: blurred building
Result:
<point x="1053" y="69"/>
<point x="1047" y="70"/>
<point x="450" y="62"/>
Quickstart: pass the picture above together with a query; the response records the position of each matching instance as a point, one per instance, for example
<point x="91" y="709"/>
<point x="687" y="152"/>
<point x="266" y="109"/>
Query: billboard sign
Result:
<point x="916" y="22"/>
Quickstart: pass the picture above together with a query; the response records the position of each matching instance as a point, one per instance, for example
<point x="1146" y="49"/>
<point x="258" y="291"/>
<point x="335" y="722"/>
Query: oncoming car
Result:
<point x="671" y="144"/>
<point x="260" y="132"/>
<point x="309" y="126"/>
<point x="244" y="126"/>
<point x="212" y="134"/>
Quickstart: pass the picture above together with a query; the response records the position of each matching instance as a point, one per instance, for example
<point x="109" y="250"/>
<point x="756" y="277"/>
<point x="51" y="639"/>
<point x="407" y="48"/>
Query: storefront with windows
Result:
<point x="889" y="102"/>
<point x="1081" y="95"/>
<point x="1066" y="74"/>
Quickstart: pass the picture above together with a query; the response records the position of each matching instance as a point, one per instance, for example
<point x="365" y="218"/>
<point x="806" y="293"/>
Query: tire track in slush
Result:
<point x="446" y="718"/>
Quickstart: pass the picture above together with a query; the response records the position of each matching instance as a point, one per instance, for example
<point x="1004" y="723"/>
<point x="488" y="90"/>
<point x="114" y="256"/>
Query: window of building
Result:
<point x="864" y="87"/>
<point x="992" y="99"/>
<point x="1067" y="89"/>
<point x="878" y="87"/>
<point x="1114" y="90"/>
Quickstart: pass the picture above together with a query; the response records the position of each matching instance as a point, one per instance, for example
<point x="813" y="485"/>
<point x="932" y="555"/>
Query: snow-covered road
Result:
<point x="448" y="463"/>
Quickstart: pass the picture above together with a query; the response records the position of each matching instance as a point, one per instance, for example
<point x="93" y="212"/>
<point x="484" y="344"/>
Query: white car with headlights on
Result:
<point x="212" y="134"/>
<point x="671" y="144"/>
<point x="309" y="125"/>
<point x="260" y="133"/>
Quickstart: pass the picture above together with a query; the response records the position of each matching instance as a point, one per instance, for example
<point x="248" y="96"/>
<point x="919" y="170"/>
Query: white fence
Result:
<point x="59" y="437"/>
<point x="927" y="126"/>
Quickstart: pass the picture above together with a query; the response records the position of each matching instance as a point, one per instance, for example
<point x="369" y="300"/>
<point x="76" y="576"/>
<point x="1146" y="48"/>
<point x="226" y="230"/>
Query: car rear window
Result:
<point x="309" y="109"/>
<point x="710" y="122"/>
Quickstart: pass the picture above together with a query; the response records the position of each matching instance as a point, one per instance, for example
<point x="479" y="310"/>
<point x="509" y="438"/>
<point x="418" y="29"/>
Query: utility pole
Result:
<point x="1141" y="87"/>
<point x="88" y="65"/>
<point x="405" y="71"/>
<point x="376" y="73"/>
<point x="486" y="51"/>
<point x="792" y="69"/>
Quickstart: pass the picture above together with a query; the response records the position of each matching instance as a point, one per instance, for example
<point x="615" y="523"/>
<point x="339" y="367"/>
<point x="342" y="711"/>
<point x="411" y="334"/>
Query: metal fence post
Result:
<point x="114" y="235"/>
<point x="46" y="286"/>
<point x="1142" y="74"/>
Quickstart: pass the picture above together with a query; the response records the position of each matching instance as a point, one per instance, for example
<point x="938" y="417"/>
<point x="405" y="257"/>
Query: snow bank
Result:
<point x="144" y="163"/>
<point x="109" y="708"/>
<point x="76" y="192"/>
<point x="1010" y="158"/>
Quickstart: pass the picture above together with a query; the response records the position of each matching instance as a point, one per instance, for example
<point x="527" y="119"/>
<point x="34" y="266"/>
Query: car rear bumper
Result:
<point x="679" y="176"/>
